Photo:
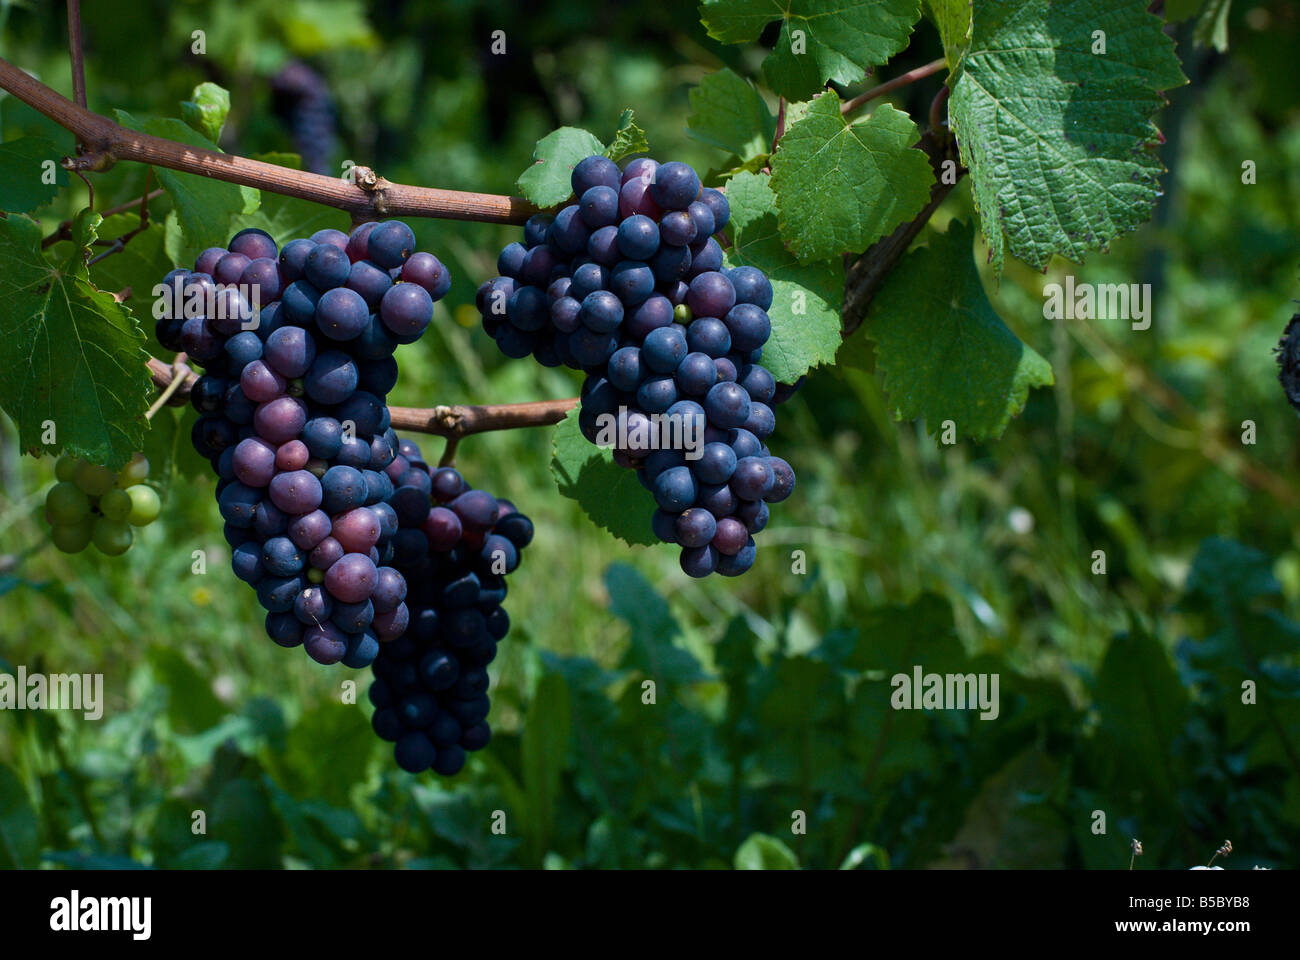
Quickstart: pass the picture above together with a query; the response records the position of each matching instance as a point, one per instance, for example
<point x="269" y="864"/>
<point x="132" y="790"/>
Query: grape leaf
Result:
<point x="610" y="495"/>
<point x="204" y="207"/>
<point x="140" y="265"/>
<point x="1056" y="137"/>
<point x="952" y="18"/>
<point x="842" y="186"/>
<point x="820" y="39"/>
<point x="728" y="113"/>
<point x="69" y="353"/>
<point x="29" y="182"/>
<point x="944" y="352"/>
<point x="652" y="630"/>
<point x="549" y="180"/>
<point x="806" y="297"/>
<point x="629" y="139"/>
<point x="207" y="109"/>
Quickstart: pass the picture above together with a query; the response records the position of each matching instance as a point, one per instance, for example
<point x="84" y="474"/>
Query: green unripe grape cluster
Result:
<point x="91" y="504"/>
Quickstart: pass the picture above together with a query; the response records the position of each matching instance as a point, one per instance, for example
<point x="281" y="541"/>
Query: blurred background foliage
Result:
<point x="1121" y="692"/>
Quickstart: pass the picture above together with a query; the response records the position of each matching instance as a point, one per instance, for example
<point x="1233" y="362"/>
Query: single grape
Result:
<point x="94" y="480"/>
<point x="112" y="537"/>
<point x="66" y="504"/>
<point x="136" y="471"/>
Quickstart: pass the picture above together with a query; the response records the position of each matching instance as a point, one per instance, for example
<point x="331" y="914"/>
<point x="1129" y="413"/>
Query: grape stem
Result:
<point x="105" y="142"/>
<point x="452" y="421"/>
<point x="179" y="372"/>
<point x="76" y="54"/>
<point x="889" y="86"/>
<point x="64" y="229"/>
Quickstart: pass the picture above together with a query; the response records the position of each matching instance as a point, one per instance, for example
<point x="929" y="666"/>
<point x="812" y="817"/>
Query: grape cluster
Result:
<point x="295" y="423"/>
<point x="92" y="504"/>
<point x="455" y="546"/>
<point x="628" y="285"/>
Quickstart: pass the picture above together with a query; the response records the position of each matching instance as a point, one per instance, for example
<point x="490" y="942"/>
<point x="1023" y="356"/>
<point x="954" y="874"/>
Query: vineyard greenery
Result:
<point x="1097" y="509"/>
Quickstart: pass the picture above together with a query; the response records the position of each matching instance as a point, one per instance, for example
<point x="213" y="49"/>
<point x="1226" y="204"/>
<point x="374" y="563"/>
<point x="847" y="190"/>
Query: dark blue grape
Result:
<point x="595" y="171"/>
<point x="638" y="237"/>
<point x="327" y="267"/>
<point x="675" y="186"/>
<point x="727" y="404"/>
<point x="389" y="244"/>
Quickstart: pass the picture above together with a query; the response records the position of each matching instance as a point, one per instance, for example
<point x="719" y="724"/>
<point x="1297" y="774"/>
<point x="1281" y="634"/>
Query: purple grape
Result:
<point x="254" y="462"/>
<point x="293" y="258"/>
<point x="327" y="267"/>
<point x="332" y="377"/>
<point x="727" y="404"/>
<point x="406" y="309"/>
<point x="370" y="281"/>
<point x="325" y="643"/>
<point x="280" y="420"/>
<point x="352" y="578"/>
<point x="296" y="492"/>
<point x="308" y="530"/>
<point x="675" y="186"/>
<point x="358" y="245"/>
<point x="428" y="271"/>
<point x="638" y="237"/>
<point x="699" y="562"/>
<point x="595" y="171"/>
<point x="290" y="351"/>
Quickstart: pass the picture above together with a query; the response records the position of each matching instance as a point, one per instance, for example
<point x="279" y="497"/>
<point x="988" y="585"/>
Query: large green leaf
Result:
<point x="609" y="494"/>
<point x="820" y="39"/>
<point x="728" y="113"/>
<point x="69" y="354"/>
<point x="32" y="173"/>
<point x="1057" y="137"/>
<point x="806" y="297"/>
<point x="944" y="352"/>
<point x="842" y="186"/>
<point x="548" y="181"/>
<point x="205" y="207"/>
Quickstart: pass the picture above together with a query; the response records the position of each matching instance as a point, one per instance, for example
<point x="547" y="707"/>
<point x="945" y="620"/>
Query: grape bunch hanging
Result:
<point x="356" y="548"/>
<point x="455" y="546"/>
<point x="295" y="423"/>
<point x="628" y="285"/>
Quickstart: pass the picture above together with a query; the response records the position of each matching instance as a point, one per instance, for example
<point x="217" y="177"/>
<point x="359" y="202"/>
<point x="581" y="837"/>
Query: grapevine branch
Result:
<point x="865" y="275"/>
<point x="105" y="142"/>
<point x="889" y="86"/>
<point x="446" y="420"/>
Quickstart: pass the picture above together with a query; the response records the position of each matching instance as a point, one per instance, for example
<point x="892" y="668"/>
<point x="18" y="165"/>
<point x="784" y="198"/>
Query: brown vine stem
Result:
<point x="448" y="420"/>
<point x="76" y="54"/>
<point x="889" y="86"/>
<point x="865" y="274"/>
<point x="106" y="142"/>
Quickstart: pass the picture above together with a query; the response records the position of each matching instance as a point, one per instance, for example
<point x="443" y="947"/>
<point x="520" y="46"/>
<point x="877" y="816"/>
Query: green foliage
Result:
<point x="204" y="207"/>
<point x="1121" y="692"/>
<point x="629" y="139"/>
<point x="962" y="364"/>
<point x="94" y="394"/>
<point x="729" y="113"/>
<point x="547" y="181"/>
<point x="27" y="183"/>
<point x="820" y="39"/>
<point x="608" y="493"/>
<point x="806" y="297"/>
<point x="842" y="186"/>
<point x="1041" y="117"/>
<point x="207" y="109"/>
